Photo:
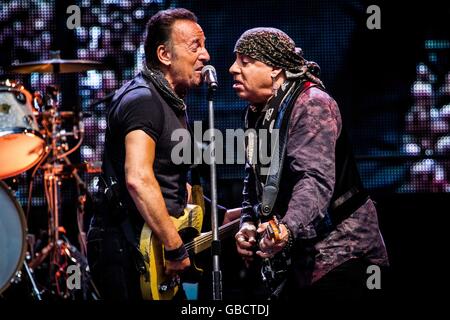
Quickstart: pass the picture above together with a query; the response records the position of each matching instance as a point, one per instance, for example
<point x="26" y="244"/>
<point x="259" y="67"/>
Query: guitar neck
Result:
<point x="203" y="241"/>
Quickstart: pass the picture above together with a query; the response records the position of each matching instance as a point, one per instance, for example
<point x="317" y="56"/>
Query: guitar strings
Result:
<point x="208" y="237"/>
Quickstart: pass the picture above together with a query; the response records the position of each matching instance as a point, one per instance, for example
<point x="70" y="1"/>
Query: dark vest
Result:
<point x="171" y="177"/>
<point x="348" y="194"/>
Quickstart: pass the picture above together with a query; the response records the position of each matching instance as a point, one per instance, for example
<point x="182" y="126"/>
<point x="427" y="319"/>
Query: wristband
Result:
<point x="290" y="241"/>
<point x="177" y="254"/>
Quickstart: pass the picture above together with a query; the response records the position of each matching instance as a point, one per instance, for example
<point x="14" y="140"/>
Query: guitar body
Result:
<point x="155" y="284"/>
<point x="274" y="271"/>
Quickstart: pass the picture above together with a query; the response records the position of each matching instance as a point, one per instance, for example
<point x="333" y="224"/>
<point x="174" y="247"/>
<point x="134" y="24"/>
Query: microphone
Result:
<point x="210" y="77"/>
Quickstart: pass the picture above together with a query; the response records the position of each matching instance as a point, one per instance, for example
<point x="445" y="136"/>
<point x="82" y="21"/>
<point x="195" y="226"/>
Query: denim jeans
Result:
<point x="111" y="264"/>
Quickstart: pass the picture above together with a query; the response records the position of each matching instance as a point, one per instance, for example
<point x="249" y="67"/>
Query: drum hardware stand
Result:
<point x="58" y="248"/>
<point x="18" y="278"/>
<point x="81" y="187"/>
<point x="81" y="256"/>
<point x="56" y="151"/>
<point x="34" y="289"/>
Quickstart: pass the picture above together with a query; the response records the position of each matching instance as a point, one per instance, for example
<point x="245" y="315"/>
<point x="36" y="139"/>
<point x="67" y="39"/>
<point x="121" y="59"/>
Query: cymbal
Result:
<point x="56" y="66"/>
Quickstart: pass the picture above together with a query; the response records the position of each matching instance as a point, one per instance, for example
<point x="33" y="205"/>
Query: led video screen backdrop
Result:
<point x="392" y="84"/>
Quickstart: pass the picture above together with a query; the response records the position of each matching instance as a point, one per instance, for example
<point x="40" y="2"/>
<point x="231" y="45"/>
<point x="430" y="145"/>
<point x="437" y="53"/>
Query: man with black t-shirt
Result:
<point x="141" y="118"/>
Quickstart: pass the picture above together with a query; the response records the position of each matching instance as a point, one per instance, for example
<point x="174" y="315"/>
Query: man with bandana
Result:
<point x="141" y="118"/>
<point x="326" y="231"/>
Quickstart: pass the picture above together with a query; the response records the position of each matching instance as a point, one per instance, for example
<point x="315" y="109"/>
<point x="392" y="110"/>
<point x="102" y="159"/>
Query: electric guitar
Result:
<point x="274" y="270"/>
<point x="155" y="284"/>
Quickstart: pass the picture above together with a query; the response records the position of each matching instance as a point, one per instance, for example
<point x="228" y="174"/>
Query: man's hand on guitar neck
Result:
<point x="245" y="241"/>
<point x="273" y="241"/>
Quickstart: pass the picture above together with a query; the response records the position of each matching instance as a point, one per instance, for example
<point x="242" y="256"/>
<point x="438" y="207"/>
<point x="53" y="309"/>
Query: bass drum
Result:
<point x="21" y="144"/>
<point x="12" y="237"/>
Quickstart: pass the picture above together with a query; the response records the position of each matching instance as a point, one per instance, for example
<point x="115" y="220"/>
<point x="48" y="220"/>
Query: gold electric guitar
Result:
<point x="155" y="284"/>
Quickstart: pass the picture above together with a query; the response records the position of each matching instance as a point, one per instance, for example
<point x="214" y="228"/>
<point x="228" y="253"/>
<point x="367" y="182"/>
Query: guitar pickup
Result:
<point x="273" y="230"/>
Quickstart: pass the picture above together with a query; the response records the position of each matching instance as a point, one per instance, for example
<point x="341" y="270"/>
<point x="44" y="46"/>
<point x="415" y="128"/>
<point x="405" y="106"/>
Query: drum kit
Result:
<point x="32" y="136"/>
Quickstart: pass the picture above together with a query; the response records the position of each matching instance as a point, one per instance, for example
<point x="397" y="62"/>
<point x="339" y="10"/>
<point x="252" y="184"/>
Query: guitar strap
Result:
<point x="347" y="196"/>
<point x="269" y="191"/>
<point x="271" y="187"/>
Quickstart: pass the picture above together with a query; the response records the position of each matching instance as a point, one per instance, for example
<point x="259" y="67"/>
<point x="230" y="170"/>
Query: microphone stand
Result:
<point x="215" y="245"/>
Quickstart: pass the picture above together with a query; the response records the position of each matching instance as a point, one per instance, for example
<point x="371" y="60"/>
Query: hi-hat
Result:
<point x="56" y="66"/>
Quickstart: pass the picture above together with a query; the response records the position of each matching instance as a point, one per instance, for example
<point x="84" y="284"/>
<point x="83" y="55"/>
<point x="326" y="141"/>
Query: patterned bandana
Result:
<point x="271" y="46"/>
<point x="275" y="48"/>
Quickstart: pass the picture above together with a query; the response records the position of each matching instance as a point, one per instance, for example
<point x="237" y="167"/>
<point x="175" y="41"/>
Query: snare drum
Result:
<point x="21" y="144"/>
<point x="12" y="237"/>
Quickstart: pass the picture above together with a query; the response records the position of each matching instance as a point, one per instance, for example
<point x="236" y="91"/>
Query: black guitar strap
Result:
<point x="342" y="204"/>
<point x="271" y="187"/>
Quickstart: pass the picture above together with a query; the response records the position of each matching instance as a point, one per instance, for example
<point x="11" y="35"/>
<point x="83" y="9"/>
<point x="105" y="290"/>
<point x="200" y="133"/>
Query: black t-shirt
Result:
<point x="139" y="106"/>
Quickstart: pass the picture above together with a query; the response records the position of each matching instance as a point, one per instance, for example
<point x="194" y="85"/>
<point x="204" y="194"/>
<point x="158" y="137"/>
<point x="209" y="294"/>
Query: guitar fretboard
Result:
<point x="203" y="241"/>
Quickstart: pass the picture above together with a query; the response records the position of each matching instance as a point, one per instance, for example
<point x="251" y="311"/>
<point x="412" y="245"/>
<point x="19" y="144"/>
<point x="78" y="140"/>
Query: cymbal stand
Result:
<point x="34" y="288"/>
<point x="59" y="249"/>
